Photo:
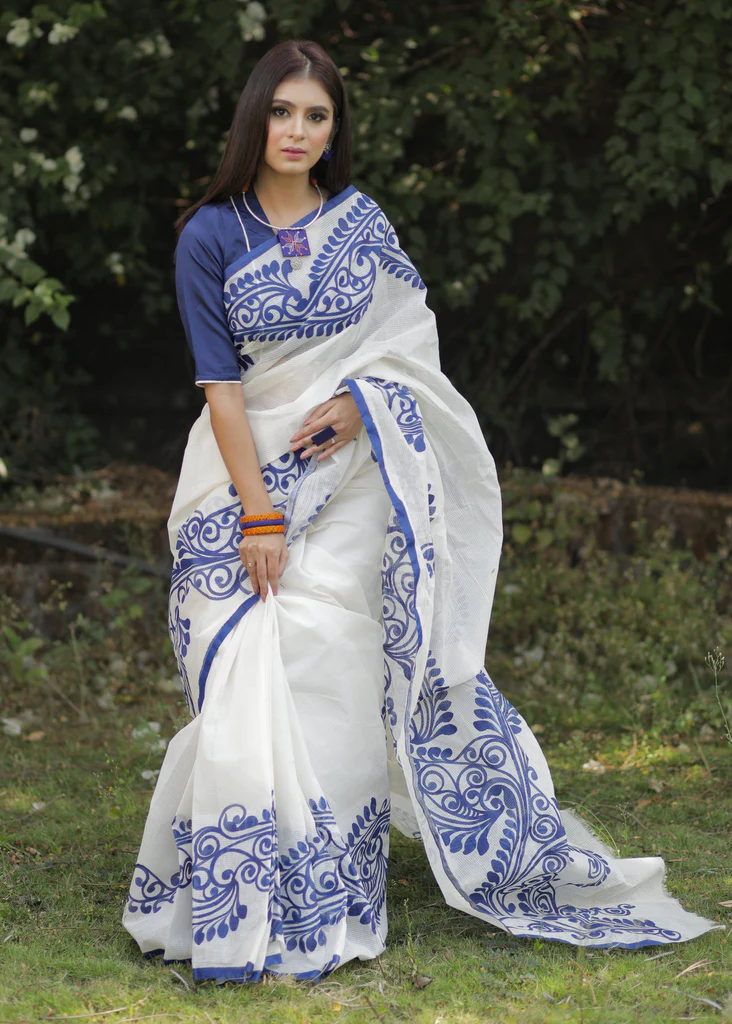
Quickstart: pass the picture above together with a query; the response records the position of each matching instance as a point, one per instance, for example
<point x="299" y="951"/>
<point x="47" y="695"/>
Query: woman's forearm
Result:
<point x="234" y="437"/>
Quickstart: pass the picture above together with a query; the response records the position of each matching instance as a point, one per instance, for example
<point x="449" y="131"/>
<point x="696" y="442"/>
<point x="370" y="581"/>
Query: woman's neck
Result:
<point x="284" y="198"/>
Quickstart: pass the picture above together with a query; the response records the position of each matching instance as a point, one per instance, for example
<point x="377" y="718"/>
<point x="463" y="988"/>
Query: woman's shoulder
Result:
<point x="204" y="236"/>
<point x="204" y="225"/>
<point x="367" y="202"/>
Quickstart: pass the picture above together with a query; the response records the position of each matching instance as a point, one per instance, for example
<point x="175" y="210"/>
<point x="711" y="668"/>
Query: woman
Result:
<point x="331" y="646"/>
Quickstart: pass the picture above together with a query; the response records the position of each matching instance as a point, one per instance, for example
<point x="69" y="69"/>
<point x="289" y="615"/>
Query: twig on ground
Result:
<point x="693" y="967"/>
<point x="703" y="757"/>
<point x="373" y="1008"/>
<point x="149" y="1016"/>
<point x="78" y="1016"/>
<point x="697" y="999"/>
<point x="82" y="715"/>
<point x="36" y="810"/>
<point x="181" y="979"/>
<point x="671" y="952"/>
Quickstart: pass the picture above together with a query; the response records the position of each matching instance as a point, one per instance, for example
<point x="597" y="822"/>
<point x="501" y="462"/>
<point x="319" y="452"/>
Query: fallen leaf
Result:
<point x="34" y="737"/>
<point x="726" y="903"/>
<point x="403" y="881"/>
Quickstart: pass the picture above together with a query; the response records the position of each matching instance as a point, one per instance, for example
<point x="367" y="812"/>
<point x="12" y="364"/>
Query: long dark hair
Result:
<point x="294" y="58"/>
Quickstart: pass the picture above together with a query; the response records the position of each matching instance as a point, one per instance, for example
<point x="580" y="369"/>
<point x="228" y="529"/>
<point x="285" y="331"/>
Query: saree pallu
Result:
<point x="357" y="697"/>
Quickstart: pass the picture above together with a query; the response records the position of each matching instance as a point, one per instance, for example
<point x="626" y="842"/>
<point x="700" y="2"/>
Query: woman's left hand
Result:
<point x="341" y="413"/>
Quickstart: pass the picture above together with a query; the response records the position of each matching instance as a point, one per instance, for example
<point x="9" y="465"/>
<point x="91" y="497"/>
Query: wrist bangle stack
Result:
<point x="264" y="522"/>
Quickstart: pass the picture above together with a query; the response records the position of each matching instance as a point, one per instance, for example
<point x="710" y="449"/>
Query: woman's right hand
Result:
<point x="264" y="556"/>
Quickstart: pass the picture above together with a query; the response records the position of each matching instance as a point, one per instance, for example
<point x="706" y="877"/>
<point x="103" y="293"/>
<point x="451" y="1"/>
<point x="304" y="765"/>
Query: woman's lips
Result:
<point x="293" y="153"/>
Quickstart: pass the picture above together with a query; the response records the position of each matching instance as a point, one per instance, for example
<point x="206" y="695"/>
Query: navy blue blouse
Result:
<point x="211" y="241"/>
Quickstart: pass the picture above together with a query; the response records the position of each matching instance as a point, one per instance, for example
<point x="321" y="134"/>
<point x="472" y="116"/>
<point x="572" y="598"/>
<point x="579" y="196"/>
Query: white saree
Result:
<point x="357" y="697"/>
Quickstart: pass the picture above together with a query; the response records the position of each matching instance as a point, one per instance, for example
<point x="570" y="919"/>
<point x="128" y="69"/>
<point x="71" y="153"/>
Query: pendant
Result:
<point x="294" y="243"/>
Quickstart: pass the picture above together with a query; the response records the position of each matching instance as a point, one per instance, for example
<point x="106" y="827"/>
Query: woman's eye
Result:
<point x="278" y="110"/>
<point x="318" y="117"/>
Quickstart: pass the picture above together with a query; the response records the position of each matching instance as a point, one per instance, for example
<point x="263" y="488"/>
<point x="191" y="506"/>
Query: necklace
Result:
<point x="293" y="241"/>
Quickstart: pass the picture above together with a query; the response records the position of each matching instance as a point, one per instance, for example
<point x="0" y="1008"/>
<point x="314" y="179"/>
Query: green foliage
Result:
<point x="559" y="174"/>
<point x="581" y="638"/>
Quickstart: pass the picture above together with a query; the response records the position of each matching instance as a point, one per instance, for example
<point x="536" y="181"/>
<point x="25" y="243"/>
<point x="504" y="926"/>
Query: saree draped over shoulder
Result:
<point x="357" y="697"/>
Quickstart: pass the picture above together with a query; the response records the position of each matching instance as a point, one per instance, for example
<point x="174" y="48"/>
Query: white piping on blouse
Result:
<point x="246" y="237"/>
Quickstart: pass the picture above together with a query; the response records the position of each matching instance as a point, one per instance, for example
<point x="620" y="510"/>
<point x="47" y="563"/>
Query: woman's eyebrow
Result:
<point x="286" y="103"/>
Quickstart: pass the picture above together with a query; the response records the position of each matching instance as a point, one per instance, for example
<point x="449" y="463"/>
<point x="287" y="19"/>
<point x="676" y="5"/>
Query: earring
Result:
<point x="327" y="152"/>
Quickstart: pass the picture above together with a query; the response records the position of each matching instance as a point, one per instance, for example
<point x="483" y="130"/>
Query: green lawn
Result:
<point x="73" y="805"/>
<point x="603" y="653"/>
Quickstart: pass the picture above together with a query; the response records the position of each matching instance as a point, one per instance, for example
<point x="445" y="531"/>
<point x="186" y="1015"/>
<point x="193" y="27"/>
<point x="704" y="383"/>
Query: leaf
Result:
<point x="29" y="272"/>
<point x="544" y="538"/>
<point x="521" y="533"/>
<point x="61" y="318"/>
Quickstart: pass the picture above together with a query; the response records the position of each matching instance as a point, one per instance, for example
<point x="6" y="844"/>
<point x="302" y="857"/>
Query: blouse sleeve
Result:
<point x="199" y="283"/>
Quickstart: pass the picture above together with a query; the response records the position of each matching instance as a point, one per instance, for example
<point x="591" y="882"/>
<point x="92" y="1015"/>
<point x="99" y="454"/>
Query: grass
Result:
<point x="574" y="629"/>
<point x="73" y="806"/>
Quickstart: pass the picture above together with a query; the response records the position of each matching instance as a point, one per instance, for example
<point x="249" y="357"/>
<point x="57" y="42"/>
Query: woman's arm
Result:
<point x="264" y="555"/>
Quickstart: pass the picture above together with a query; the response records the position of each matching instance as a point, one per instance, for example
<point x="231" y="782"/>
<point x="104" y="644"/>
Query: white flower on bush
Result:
<point x="165" y="50"/>
<point x="37" y="95"/>
<point x="251" y="21"/>
<point x="20" y="32"/>
<point x="23" y="238"/>
<point x="61" y="33"/>
<point x="101" y="103"/>
<point x="46" y="163"/>
<point x="127" y="113"/>
<point x="71" y="182"/>
<point x="28" y="135"/>
<point x="155" y="46"/>
<point x="114" y="263"/>
<point x="18" y="169"/>
<point x="150" y="774"/>
<point x="74" y="159"/>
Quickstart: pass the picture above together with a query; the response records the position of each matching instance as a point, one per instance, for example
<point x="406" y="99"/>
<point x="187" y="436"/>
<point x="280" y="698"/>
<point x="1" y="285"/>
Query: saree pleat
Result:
<point x="358" y="696"/>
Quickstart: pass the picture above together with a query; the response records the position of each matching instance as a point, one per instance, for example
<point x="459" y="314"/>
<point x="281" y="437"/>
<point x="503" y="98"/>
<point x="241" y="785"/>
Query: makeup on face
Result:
<point x="300" y="123"/>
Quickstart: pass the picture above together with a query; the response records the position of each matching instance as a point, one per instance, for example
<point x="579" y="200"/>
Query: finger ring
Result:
<point x="321" y="436"/>
<point x="332" y="440"/>
<point x="249" y="564"/>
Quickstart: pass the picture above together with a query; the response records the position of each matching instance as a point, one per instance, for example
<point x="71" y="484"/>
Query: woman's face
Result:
<point x="300" y="124"/>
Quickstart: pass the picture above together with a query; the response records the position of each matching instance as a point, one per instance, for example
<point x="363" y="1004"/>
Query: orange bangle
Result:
<point x="262" y="529"/>
<point x="261" y="515"/>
